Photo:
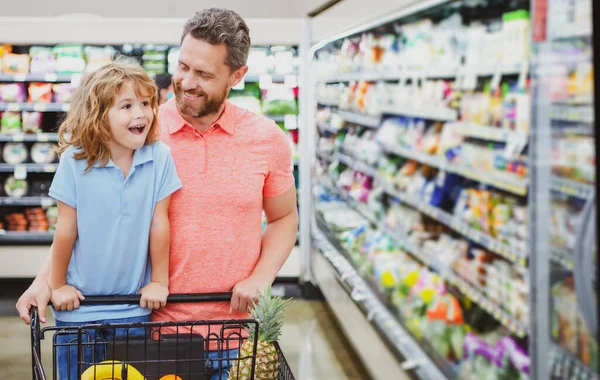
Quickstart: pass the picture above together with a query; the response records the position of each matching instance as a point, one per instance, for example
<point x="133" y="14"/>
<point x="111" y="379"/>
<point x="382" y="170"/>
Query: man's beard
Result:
<point x="210" y="106"/>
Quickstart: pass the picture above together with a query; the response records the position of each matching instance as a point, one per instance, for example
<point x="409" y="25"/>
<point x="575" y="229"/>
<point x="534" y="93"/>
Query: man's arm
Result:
<point x="277" y="243"/>
<point x="38" y="294"/>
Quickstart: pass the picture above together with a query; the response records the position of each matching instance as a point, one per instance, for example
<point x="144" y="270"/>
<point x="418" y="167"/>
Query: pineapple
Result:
<point x="268" y="311"/>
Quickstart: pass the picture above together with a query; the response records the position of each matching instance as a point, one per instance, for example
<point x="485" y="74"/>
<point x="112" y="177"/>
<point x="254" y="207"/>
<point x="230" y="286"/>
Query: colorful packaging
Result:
<point x="32" y="122"/>
<point x="40" y="92"/>
<point x="63" y="92"/>
<point x="42" y="60"/>
<point x="15" y="63"/>
<point x="69" y="59"/>
<point x="12" y="92"/>
<point x="11" y="122"/>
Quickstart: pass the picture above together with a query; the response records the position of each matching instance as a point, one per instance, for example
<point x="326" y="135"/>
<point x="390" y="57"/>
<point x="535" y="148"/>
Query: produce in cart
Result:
<point x="268" y="311"/>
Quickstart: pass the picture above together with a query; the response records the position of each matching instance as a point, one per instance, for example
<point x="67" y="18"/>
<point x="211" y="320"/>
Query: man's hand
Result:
<point x="245" y="292"/>
<point x="154" y="295"/>
<point x="66" y="298"/>
<point x="38" y="295"/>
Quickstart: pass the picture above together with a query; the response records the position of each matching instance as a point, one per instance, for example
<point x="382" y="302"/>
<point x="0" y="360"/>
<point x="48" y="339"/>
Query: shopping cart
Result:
<point x="186" y="350"/>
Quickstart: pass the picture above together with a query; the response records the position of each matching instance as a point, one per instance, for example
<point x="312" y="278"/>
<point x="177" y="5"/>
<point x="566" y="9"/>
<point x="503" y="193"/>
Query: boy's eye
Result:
<point x="126" y="106"/>
<point x="145" y="103"/>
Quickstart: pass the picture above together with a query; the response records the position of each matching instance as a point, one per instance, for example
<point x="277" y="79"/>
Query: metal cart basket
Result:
<point x="188" y="350"/>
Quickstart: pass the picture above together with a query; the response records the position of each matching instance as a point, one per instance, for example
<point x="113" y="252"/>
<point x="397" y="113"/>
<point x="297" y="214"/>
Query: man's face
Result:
<point x="202" y="79"/>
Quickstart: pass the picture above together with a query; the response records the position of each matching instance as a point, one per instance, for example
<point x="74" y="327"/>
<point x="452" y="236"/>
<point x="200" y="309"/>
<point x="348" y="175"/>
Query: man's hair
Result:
<point x="221" y="26"/>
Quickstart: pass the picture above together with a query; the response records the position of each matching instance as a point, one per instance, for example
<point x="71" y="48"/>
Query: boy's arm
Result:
<point x="154" y="295"/>
<point x="64" y="297"/>
<point x="64" y="241"/>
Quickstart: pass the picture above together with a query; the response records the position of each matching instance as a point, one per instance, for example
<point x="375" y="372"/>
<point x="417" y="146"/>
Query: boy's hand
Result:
<point x="66" y="298"/>
<point x="154" y="295"/>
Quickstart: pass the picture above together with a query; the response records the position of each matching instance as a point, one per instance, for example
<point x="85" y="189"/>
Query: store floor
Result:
<point x="310" y="340"/>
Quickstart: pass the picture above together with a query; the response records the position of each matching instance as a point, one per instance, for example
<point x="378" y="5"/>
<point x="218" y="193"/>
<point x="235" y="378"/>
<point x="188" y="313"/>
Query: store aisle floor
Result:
<point x="310" y="341"/>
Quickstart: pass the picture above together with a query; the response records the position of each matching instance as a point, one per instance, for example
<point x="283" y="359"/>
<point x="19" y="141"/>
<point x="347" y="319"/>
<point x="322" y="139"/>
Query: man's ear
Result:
<point x="237" y="76"/>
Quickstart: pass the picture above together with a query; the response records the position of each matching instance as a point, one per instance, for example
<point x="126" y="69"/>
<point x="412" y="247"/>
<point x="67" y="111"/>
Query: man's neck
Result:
<point x="202" y="124"/>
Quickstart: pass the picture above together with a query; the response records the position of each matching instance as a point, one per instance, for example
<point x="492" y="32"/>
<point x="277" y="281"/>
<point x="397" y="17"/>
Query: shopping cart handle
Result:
<point x="173" y="298"/>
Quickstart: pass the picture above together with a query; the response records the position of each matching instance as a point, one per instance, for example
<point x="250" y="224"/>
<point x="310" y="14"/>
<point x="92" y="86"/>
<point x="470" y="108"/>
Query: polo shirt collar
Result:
<point x="176" y="122"/>
<point x="140" y="156"/>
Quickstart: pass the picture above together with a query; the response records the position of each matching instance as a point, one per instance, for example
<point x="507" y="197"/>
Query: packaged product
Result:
<point x="42" y="60"/>
<point x="10" y="123"/>
<point x="15" y="63"/>
<point x="14" y="153"/>
<point x="13" y="93"/>
<point x="40" y="92"/>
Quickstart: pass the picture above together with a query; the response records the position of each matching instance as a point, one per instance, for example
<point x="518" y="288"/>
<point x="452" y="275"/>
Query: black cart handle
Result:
<point x="172" y="298"/>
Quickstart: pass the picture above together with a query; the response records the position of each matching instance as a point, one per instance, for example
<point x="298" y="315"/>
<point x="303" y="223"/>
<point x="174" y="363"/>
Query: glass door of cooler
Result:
<point x="563" y="191"/>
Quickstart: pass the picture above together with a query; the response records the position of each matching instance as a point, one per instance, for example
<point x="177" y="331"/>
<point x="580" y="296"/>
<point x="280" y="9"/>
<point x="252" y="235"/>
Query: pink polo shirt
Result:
<point x="216" y="217"/>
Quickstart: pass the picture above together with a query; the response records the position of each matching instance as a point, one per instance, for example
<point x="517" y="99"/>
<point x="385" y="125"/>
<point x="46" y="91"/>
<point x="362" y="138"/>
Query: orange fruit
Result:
<point x="170" y="377"/>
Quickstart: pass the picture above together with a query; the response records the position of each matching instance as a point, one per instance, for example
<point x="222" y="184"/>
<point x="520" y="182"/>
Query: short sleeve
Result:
<point x="280" y="177"/>
<point x="63" y="186"/>
<point x="169" y="180"/>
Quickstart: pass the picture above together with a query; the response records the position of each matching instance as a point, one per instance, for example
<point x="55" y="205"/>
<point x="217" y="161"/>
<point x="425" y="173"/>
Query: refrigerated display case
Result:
<point x="563" y="193"/>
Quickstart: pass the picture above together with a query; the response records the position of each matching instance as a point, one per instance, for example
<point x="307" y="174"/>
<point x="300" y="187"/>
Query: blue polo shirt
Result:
<point x="114" y="214"/>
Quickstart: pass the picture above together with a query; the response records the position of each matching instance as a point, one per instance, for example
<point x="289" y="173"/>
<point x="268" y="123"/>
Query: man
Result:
<point x="233" y="165"/>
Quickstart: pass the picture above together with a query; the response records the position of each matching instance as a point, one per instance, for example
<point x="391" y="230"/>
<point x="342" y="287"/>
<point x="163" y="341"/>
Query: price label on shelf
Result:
<point x="20" y="77"/>
<point x="75" y="79"/>
<point x="13" y="107"/>
<point x="50" y="77"/>
<point x="265" y="81"/>
<point x="66" y="107"/>
<point x="40" y="107"/>
<point x="20" y="172"/>
<point x="496" y="78"/>
<point x="42" y="137"/>
<point x="49" y="168"/>
<point x="290" y="80"/>
<point x="18" y="137"/>
<point x="47" y="202"/>
<point x="523" y="74"/>
<point x="241" y="85"/>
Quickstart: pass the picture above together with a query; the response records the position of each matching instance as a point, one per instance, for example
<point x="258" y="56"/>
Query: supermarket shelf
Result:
<point x="570" y="363"/>
<point x="327" y="127"/>
<point x="36" y="77"/>
<point x="29" y="137"/>
<point x="467" y="289"/>
<point x="276" y="118"/>
<point x="357" y="165"/>
<point x="329" y="103"/>
<point x="324" y="157"/>
<point x="39" y="107"/>
<point x="457" y="225"/>
<point x="361" y="208"/>
<point x="356" y="118"/>
<point x="7" y="237"/>
<point x="378" y="314"/>
<point x="501" y="181"/>
<point x="30" y="168"/>
<point x="572" y="188"/>
<point x="490" y="133"/>
<point x="562" y="257"/>
<point x="27" y="201"/>
<point x="572" y="113"/>
<point x="581" y="29"/>
<point x="276" y="78"/>
<point x="441" y="114"/>
<point x="387" y="74"/>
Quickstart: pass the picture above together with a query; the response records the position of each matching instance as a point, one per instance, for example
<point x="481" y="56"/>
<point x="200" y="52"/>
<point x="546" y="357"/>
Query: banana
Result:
<point x="104" y="371"/>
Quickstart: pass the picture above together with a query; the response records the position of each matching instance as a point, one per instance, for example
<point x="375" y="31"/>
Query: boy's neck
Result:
<point x="123" y="158"/>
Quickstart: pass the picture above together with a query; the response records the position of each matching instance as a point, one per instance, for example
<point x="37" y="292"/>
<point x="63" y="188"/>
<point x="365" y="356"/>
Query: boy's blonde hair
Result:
<point x="87" y="120"/>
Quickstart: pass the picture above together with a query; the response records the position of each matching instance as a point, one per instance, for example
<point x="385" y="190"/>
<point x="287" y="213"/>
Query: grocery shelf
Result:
<point x="429" y="113"/>
<point x="580" y="29"/>
<point x="7" y="237"/>
<point x="474" y="294"/>
<point x="38" y="107"/>
<point x="27" y="201"/>
<point x="329" y="103"/>
<point x="562" y="257"/>
<point x="36" y="77"/>
<point x="276" y="78"/>
<point x="490" y="133"/>
<point x="570" y="363"/>
<point x="324" y="157"/>
<point x="357" y="165"/>
<point x="33" y="168"/>
<point x="572" y="188"/>
<point x="276" y="118"/>
<point x="28" y="137"/>
<point x="501" y="181"/>
<point x="379" y="315"/>
<point x="324" y="126"/>
<point x="356" y="118"/>
<point x="483" y="239"/>
<point x="572" y="113"/>
<point x="391" y="74"/>
<point x="361" y="208"/>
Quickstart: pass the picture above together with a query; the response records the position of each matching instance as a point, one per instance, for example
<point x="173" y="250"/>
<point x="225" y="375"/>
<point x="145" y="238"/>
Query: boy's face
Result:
<point x="202" y="79"/>
<point x="129" y="119"/>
